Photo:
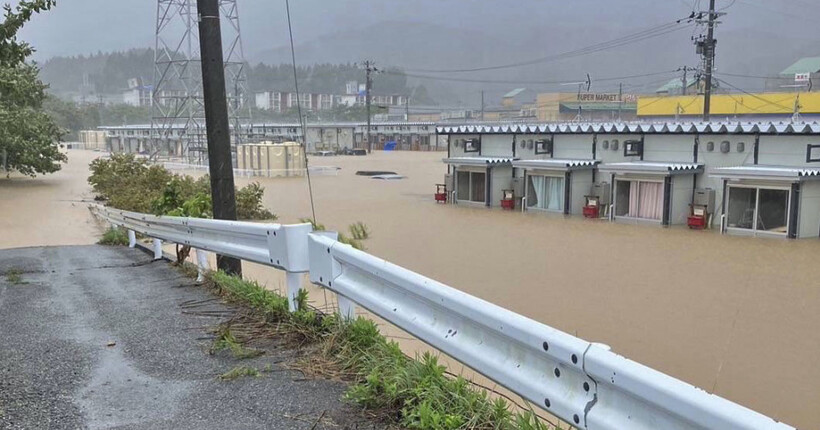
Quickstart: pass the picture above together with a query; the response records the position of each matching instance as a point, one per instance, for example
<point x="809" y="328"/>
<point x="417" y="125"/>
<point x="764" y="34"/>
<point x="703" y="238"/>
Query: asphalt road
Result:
<point x="95" y="337"/>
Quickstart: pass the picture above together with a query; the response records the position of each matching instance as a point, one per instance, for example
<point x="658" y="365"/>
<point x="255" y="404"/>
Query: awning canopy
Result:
<point x="556" y="164"/>
<point x="669" y="127"/>
<point x="479" y="161"/>
<point x="653" y="168"/>
<point x="770" y="173"/>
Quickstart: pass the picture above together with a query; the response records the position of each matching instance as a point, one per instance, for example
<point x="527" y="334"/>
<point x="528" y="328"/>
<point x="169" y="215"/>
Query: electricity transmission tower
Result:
<point x="178" y="109"/>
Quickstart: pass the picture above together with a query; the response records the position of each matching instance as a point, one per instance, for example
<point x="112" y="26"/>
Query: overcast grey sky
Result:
<point x="757" y="37"/>
<point x="85" y="26"/>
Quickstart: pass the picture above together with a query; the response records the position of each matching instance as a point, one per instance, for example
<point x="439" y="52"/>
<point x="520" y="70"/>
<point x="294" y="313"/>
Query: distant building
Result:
<point x="585" y="107"/>
<point x="803" y="75"/>
<point x="518" y="97"/>
<point x="281" y="101"/>
<point x="674" y="87"/>
<point x="138" y="93"/>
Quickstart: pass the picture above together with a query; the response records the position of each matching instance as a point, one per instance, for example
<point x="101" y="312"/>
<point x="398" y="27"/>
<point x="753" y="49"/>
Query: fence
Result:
<point x="582" y="383"/>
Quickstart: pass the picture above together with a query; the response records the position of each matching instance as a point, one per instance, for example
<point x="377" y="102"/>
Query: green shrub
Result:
<point x="130" y="183"/>
<point x="249" y="203"/>
<point x="114" y="237"/>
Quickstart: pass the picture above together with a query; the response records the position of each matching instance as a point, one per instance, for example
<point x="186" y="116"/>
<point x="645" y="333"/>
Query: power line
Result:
<point x="299" y="111"/>
<point x="504" y="81"/>
<point x="614" y="43"/>
<point x="753" y="95"/>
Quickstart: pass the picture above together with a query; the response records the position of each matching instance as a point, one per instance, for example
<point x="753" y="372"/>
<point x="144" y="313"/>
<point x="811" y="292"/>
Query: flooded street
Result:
<point x="735" y="316"/>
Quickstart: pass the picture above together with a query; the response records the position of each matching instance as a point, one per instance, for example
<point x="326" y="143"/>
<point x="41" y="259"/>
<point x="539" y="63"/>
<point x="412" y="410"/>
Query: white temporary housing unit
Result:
<point x="763" y="175"/>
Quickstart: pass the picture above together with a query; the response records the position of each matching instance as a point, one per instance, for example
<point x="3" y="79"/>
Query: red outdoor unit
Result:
<point x="441" y="193"/>
<point x="696" y="222"/>
<point x="508" y="201"/>
<point x="697" y="217"/>
<point x="590" y="211"/>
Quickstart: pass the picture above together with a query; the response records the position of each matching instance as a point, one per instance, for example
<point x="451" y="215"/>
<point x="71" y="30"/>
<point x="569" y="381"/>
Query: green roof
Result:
<point x="514" y="92"/>
<point x="674" y="84"/>
<point x="803" y="65"/>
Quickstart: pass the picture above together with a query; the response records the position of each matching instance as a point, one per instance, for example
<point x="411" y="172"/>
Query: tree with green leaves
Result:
<point x="29" y="138"/>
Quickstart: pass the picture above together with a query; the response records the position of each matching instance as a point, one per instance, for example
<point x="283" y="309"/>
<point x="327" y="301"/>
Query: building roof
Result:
<point x="783" y="173"/>
<point x="675" y="83"/>
<point x="556" y="164"/>
<point x="652" y="167"/>
<point x="479" y="161"/>
<point x="514" y="92"/>
<point x="670" y="127"/>
<point x="803" y="65"/>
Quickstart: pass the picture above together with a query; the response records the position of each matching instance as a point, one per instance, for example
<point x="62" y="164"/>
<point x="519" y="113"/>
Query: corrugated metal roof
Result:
<point x="652" y="167"/>
<point x="668" y="127"/>
<point x="767" y="172"/>
<point x="479" y="161"/>
<point x="556" y="164"/>
<point x="803" y="65"/>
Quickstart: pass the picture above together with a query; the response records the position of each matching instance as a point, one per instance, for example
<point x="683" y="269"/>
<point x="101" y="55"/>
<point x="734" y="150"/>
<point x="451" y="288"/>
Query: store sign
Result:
<point x="607" y="97"/>
<point x="802" y="77"/>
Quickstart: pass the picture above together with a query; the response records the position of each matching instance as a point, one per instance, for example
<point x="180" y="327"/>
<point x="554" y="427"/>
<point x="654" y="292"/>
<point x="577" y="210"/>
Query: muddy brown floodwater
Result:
<point x="735" y="316"/>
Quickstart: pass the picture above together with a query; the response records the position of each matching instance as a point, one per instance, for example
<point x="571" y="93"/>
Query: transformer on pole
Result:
<point x="178" y="110"/>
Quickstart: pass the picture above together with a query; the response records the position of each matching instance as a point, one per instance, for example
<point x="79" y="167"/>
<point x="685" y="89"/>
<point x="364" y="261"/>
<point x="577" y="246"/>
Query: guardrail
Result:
<point x="582" y="383"/>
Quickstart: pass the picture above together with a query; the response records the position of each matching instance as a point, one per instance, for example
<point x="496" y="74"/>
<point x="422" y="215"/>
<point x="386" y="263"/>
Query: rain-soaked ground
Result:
<point x="735" y="316"/>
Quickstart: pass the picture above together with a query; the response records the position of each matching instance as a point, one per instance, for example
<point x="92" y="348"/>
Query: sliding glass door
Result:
<point x="639" y="199"/>
<point x="758" y="210"/>
<point x="471" y="186"/>
<point x="545" y="193"/>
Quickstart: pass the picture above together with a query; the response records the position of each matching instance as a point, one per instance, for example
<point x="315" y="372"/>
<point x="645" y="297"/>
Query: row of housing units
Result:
<point x="410" y="136"/>
<point x="760" y="179"/>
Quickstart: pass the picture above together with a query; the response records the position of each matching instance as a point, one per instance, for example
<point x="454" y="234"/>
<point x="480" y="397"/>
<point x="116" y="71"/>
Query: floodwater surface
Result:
<point x="735" y="316"/>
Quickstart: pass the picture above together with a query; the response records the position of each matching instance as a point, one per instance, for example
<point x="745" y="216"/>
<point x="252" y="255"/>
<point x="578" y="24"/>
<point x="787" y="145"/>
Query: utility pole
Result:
<point x="707" y="48"/>
<point x="370" y="68"/>
<point x="482" y="105"/>
<point x="216" y="122"/>
<point x="620" y="99"/>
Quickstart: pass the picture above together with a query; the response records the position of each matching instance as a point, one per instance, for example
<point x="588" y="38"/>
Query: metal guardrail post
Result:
<point x="132" y="239"/>
<point x="294" y="285"/>
<point x="201" y="265"/>
<point x="157" y="249"/>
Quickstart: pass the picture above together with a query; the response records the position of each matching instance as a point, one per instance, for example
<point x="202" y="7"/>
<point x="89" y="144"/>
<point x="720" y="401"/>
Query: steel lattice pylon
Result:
<point x="178" y="110"/>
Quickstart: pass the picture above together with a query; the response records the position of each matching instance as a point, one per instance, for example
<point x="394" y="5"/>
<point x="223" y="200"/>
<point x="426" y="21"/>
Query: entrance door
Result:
<point x="758" y="210"/>
<point x="639" y="199"/>
<point x="545" y="193"/>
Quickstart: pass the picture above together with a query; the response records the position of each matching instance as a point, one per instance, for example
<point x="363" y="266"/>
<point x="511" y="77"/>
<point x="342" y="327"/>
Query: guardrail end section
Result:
<point x="288" y="246"/>
<point x="323" y="267"/>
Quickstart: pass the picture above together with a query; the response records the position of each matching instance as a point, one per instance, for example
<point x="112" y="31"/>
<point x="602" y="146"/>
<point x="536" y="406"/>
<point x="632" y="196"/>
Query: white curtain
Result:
<point x="549" y="192"/>
<point x="645" y="200"/>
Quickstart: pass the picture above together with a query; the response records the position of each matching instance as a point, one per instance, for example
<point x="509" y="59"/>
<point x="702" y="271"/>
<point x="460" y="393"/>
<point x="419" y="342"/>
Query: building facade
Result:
<point x="760" y="179"/>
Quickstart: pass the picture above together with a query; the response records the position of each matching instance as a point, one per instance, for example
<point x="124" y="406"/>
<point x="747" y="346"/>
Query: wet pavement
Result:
<point x="96" y="337"/>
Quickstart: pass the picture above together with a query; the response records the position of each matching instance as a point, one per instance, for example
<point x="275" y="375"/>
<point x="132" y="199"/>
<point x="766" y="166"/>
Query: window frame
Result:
<point x="546" y="144"/>
<point x="474" y="143"/>
<point x="753" y="230"/>
<point x="633" y="152"/>
<point x="809" y="148"/>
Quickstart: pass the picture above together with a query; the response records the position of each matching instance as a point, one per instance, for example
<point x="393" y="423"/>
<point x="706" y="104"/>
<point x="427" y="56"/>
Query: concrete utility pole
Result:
<point x="216" y="122"/>
<point x="709" y="54"/>
<point x="620" y="99"/>
<point x="482" y="105"/>
<point x="369" y="67"/>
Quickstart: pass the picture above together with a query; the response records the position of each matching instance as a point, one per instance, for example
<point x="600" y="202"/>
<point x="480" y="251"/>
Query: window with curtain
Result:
<point x="478" y="183"/>
<point x="545" y="192"/>
<point x="638" y="199"/>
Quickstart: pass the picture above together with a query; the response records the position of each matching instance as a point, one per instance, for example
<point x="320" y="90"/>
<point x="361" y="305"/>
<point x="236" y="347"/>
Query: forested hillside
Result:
<point x="108" y="73"/>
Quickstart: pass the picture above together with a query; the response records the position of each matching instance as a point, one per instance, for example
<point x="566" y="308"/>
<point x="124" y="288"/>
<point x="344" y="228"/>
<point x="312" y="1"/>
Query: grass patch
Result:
<point x="359" y="231"/>
<point x="114" y="237"/>
<point x="225" y="339"/>
<point x="14" y="276"/>
<point x="239" y="372"/>
<point x="416" y="393"/>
